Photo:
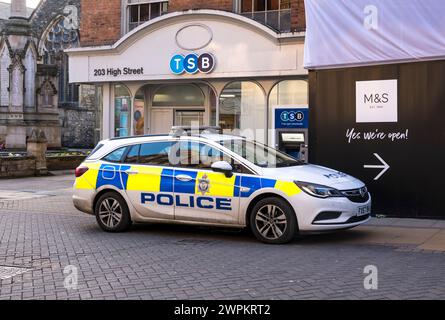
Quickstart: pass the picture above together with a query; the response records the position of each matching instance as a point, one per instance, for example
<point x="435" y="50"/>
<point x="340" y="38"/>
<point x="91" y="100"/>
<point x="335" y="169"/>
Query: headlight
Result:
<point x="317" y="190"/>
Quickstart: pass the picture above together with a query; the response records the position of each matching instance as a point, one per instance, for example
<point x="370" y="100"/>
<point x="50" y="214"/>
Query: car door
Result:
<point x="201" y="194"/>
<point x="150" y="179"/>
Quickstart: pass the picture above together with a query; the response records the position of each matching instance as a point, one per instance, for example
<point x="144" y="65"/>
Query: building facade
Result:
<point x="375" y="107"/>
<point x="157" y="64"/>
<point x="34" y="85"/>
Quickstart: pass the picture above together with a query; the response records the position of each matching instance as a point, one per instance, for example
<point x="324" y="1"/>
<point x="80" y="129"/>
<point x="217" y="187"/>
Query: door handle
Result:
<point x="245" y="189"/>
<point x="184" y="178"/>
<point x="131" y="172"/>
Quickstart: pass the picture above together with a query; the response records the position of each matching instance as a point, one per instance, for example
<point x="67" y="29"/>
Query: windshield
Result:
<point x="260" y="154"/>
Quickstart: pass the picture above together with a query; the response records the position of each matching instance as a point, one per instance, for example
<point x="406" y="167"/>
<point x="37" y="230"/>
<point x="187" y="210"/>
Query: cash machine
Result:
<point x="291" y="126"/>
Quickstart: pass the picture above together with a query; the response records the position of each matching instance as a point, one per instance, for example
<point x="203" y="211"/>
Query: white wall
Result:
<point x="242" y="48"/>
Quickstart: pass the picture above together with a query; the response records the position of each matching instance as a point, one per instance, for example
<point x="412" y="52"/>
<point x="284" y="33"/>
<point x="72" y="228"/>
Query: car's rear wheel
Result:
<point x="112" y="213"/>
<point x="273" y="221"/>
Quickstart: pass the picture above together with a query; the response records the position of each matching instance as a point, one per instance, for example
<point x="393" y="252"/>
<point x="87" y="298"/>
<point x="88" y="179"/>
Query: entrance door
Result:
<point x="189" y="118"/>
<point x="161" y="120"/>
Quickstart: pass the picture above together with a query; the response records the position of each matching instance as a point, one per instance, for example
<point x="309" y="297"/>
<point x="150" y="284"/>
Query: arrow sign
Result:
<point x="384" y="166"/>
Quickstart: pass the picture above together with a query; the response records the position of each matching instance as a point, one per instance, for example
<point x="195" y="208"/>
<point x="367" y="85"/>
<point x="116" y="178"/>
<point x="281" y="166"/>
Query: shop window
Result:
<point x="273" y="13"/>
<point x="213" y="111"/>
<point x="98" y="121"/>
<point x="289" y="93"/>
<point x="242" y="107"/>
<point x="139" y="114"/>
<point x="179" y="96"/>
<point x="138" y="12"/>
<point x="122" y="107"/>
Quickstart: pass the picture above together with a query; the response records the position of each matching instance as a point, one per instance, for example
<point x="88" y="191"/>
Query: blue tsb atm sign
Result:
<point x="192" y="63"/>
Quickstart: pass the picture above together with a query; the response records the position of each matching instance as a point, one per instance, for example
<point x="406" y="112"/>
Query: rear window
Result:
<point x="115" y="156"/>
<point x="97" y="148"/>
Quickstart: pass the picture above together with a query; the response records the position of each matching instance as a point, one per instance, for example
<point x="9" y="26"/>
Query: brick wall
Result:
<point x="180" y="5"/>
<point x="298" y="17"/>
<point x="101" y="22"/>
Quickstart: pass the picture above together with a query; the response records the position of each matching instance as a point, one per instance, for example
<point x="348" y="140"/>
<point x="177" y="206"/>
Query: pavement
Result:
<point x="49" y="250"/>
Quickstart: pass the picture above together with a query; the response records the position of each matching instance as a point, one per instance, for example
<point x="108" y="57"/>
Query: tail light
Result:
<point x="80" y="171"/>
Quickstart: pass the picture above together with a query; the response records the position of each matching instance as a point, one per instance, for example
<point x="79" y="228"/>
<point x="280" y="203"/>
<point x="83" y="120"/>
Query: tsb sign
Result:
<point x="192" y="63"/>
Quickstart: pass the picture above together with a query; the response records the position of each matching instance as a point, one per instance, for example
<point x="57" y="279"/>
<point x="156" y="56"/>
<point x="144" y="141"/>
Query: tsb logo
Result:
<point x="292" y="116"/>
<point x="192" y="63"/>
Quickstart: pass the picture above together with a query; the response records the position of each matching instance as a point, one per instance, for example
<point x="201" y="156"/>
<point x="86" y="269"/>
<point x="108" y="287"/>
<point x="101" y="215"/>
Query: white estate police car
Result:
<point x="218" y="180"/>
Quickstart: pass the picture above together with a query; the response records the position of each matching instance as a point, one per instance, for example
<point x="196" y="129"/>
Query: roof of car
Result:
<point x="142" y="138"/>
<point x="114" y="143"/>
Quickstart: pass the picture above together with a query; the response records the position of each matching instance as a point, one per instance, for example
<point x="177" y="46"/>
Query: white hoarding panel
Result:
<point x="364" y="32"/>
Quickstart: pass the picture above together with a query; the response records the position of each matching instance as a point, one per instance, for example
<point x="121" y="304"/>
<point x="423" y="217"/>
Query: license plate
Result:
<point x="362" y="211"/>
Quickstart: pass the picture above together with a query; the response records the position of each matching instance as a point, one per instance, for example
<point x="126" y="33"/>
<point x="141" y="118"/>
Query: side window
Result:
<point x="196" y="155"/>
<point x="115" y="156"/>
<point x="155" y="153"/>
<point x="133" y="154"/>
<point x="240" y="168"/>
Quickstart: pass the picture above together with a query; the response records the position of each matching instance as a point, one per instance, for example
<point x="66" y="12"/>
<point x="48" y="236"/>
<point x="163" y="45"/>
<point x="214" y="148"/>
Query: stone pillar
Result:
<point x="17" y="33"/>
<point x="36" y="146"/>
<point x="18" y="8"/>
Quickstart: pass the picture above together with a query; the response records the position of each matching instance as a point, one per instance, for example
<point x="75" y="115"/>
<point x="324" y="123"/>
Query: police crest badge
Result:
<point x="204" y="184"/>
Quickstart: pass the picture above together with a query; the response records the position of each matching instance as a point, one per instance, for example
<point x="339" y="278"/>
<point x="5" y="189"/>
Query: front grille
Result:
<point x="357" y="195"/>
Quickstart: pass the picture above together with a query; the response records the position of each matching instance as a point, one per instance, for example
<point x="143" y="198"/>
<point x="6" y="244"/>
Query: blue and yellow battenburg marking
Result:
<point x="158" y="180"/>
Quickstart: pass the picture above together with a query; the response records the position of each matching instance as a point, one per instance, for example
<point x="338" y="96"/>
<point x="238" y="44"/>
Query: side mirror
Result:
<point x="223" y="167"/>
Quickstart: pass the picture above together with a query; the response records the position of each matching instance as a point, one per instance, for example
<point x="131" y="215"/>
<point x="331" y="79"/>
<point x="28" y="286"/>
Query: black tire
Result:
<point x="116" y="220"/>
<point x="273" y="221"/>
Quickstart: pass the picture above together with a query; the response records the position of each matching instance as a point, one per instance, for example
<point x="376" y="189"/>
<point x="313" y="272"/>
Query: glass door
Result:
<point x="189" y="118"/>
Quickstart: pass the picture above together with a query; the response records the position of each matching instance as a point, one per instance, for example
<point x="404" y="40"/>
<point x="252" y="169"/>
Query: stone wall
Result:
<point x="15" y="167"/>
<point x="64" y="163"/>
<point x="78" y="123"/>
<point x="77" y="128"/>
<point x="26" y="166"/>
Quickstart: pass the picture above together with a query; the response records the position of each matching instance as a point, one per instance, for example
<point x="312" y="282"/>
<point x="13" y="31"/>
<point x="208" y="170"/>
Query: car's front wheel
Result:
<point x="112" y="213"/>
<point x="273" y="221"/>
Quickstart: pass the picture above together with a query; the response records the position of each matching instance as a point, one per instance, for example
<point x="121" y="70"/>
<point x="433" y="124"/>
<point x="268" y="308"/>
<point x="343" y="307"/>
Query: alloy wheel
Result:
<point x="271" y="222"/>
<point x="110" y="212"/>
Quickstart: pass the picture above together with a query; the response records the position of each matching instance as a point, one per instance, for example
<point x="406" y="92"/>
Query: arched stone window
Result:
<point x="16" y="70"/>
<point x="62" y="34"/>
<point x="5" y="62"/>
<point x="30" y="81"/>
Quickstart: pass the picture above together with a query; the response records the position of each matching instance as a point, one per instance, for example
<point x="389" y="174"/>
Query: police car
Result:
<point x="214" y="179"/>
